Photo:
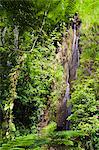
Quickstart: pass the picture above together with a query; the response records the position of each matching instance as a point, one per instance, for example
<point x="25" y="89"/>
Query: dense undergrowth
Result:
<point x="32" y="80"/>
<point x="46" y="139"/>
<point x="85" y="94"/>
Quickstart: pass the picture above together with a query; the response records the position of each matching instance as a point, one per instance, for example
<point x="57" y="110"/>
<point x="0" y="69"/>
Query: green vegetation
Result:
<point x="32" y="79"/>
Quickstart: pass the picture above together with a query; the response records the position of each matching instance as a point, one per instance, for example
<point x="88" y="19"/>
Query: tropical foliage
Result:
<point x="32" y="79"/>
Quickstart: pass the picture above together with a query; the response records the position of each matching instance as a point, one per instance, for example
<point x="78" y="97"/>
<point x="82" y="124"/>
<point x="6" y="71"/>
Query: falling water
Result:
<point x="3" y="35"/>
<point x="67" y="93"/>
<point x="16" y="34"/>
<point x="71" y="75"/>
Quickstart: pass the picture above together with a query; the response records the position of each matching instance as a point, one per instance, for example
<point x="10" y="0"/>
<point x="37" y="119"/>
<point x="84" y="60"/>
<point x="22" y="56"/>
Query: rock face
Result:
<point x="69" y="52"/>
<point x="68" y="56"/>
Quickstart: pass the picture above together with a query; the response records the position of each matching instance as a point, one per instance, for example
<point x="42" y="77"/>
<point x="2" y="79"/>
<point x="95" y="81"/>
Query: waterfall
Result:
<point x="3" y="35"/>
<point x="16" y="35"/>
<point x="70" y="61"/>
<point x="67" y="93"/>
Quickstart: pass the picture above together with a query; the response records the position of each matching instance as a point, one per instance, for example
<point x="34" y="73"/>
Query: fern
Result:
<point x="48" y="137"/>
